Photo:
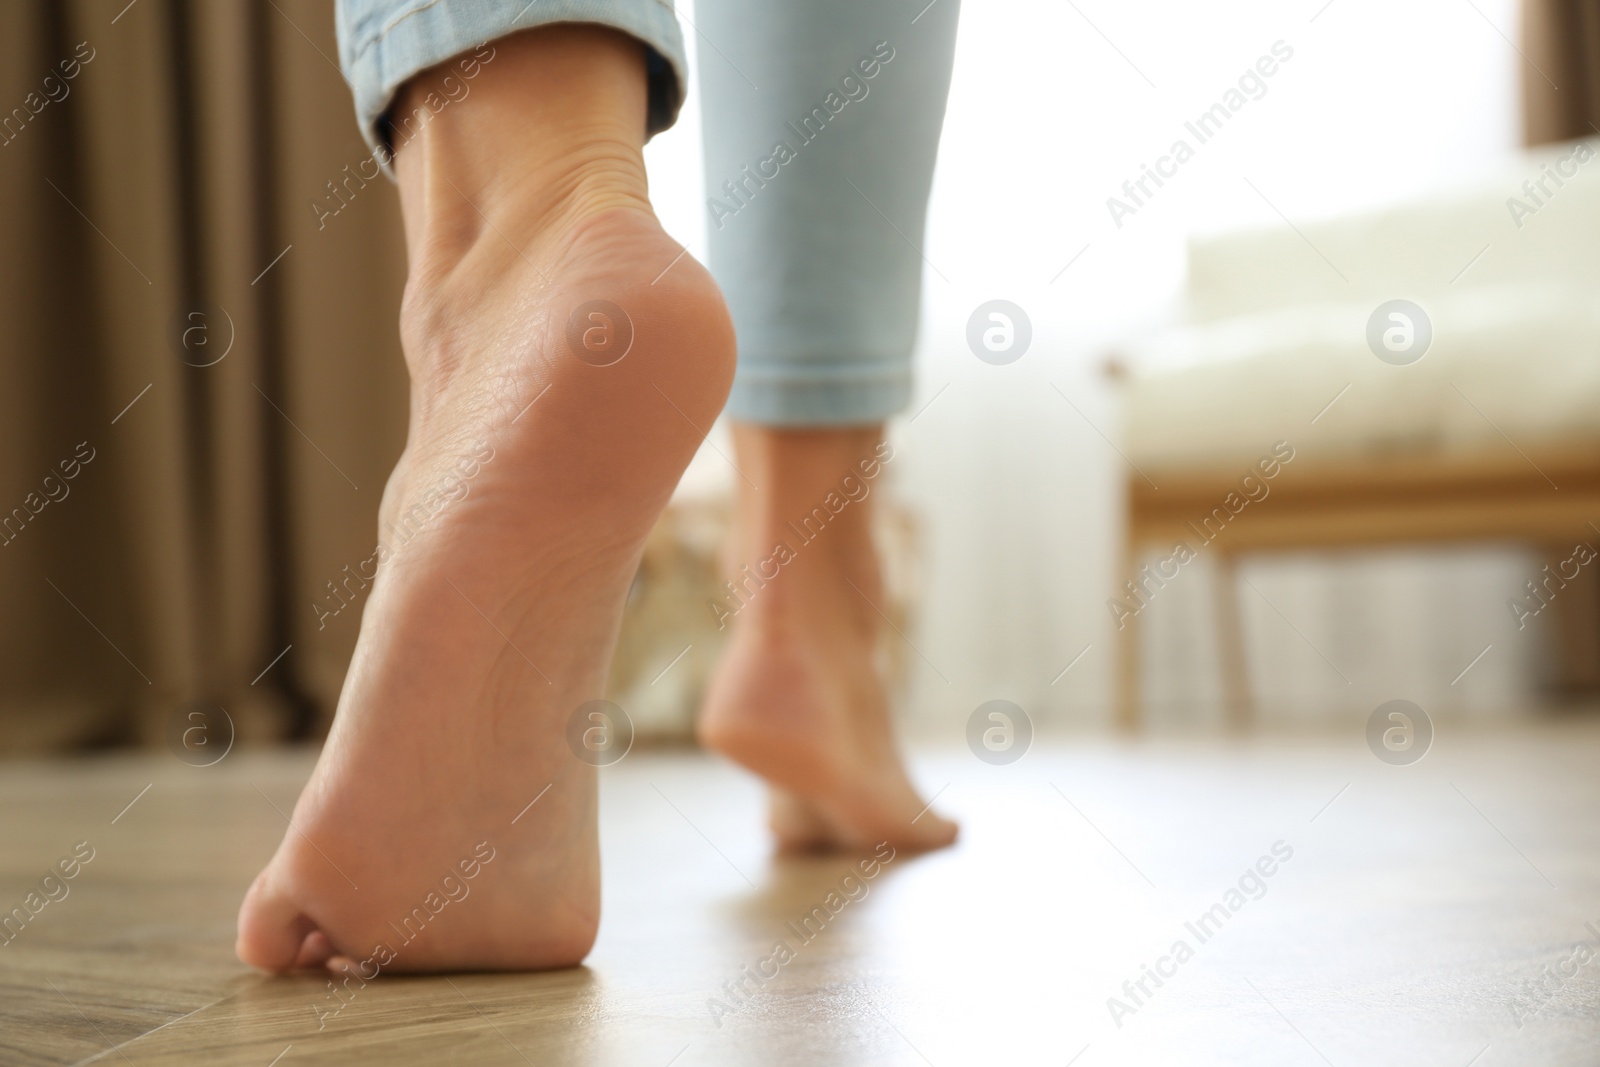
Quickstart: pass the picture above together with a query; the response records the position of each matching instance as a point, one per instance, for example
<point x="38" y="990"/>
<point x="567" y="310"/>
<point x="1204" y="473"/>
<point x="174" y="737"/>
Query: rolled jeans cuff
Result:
<point x="384" y="43"/>
<point x="840" y="399"/>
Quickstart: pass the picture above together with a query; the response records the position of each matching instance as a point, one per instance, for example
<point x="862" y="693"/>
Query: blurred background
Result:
<point x="203" y="392"/>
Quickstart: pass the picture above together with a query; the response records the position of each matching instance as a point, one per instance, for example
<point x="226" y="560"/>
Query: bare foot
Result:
<point x="487" y="629"/>
<point x="799" y="698"/>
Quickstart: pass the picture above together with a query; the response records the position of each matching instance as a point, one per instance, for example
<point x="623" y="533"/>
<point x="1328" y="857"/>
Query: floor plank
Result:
<point x="1411" y="924"/>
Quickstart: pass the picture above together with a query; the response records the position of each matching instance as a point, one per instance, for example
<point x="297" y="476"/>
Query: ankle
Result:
<point x="574" y="98"/>
<point x="802" y="463"/>
<point x="803" y="541"/>
<point x="793" y="594"/>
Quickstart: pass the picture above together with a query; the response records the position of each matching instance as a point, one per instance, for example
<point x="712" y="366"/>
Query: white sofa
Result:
<point x="1468" y="443"/>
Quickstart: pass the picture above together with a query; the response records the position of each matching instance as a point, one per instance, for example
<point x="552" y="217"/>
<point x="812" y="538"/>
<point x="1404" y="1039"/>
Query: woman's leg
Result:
<point x="822" y="121"/>
<point x="558" y="371"/>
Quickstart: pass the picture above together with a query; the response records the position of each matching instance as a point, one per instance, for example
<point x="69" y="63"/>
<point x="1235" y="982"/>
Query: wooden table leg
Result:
<point x="1237" y="704"/>
<point x="1127" y="665"/>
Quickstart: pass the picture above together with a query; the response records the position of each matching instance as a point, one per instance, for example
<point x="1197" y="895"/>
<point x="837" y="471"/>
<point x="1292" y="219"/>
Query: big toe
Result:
<point x="797" y="825"/>
<point x="931" y="831"/>
<point x="274" y="934"/>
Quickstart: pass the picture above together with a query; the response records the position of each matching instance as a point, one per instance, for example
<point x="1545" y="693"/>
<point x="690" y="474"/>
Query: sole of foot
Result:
<point x="799" y="698"/>
<point x="565" y="358"/>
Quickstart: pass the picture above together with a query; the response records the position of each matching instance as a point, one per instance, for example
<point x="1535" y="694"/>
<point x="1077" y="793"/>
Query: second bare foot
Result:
<point x="799" y="698"/>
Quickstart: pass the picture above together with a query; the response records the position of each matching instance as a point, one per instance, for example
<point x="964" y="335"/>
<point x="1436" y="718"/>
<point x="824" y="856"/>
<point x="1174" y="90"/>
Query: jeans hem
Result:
<point x="818" y="403"/>
<point x="379" y="57"/>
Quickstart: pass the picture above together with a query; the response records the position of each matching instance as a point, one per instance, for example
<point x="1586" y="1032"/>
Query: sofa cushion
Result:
<point x="1518" y="359"/>
<point x="1514" y="226"/>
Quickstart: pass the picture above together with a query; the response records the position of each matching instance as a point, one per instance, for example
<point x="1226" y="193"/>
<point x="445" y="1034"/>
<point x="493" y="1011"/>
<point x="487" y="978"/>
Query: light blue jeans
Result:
<point x="821" y="119"/>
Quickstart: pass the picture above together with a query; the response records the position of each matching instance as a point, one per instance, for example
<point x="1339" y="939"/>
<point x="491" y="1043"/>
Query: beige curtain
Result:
<point x="1561" y="77"/>
<point x="167" y="526"/>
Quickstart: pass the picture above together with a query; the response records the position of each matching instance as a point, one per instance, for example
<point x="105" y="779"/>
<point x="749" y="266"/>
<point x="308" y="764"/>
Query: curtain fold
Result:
<point x="200" y="376"/>
<point x="1561" y="72"/>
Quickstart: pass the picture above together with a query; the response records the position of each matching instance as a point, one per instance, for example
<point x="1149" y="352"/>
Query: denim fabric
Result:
<point x="382" y="43"/>
<point x="822" y="121"/>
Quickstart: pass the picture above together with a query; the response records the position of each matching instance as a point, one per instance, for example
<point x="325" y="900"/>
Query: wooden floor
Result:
<point x="1411" y="925"/>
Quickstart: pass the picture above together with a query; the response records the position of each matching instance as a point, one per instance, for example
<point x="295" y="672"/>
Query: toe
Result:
<point x="797" y="826"/>
<point x="314" y="951"/>
<point x="273" y="931"/>
<point x="339" y="966"/>
<point x="933" y="831"/>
